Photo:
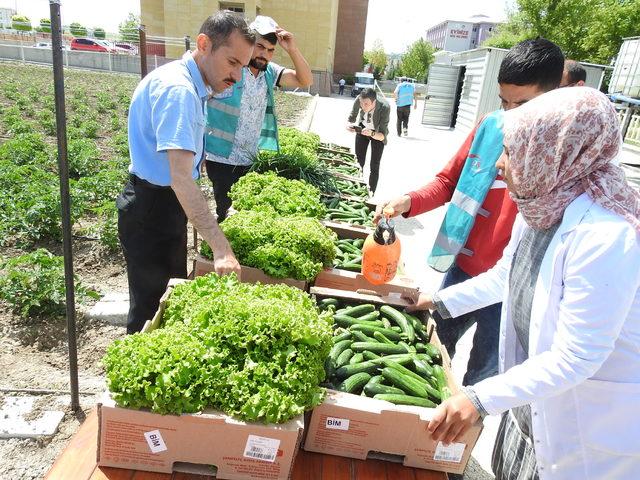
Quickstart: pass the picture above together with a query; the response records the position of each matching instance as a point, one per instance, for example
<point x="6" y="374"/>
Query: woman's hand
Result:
<point x="452" y="419"/>
<point x="423" y="301"/>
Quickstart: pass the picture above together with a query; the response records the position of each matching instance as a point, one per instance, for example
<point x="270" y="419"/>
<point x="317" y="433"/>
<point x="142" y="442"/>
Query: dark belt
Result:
<point x="135" y="180"/>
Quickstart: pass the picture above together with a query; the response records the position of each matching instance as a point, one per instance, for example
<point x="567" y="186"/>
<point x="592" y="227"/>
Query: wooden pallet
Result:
<point x="78" y="462"/>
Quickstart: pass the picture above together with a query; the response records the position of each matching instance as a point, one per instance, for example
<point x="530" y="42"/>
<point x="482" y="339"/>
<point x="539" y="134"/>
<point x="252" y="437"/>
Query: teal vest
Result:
<point x="478" y="174"/>
<point x="405" y="95"/>
<point x="223" y="113"/>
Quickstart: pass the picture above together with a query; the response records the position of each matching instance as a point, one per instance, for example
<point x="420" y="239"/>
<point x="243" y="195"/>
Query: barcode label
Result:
<point x="155" y="441"/>
<point x="262" y="448"/>
<point x="450" y="453"/>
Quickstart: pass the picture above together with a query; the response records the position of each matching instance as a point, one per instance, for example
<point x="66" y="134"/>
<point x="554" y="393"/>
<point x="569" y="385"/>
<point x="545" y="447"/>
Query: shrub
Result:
<point x="33" y="284"/>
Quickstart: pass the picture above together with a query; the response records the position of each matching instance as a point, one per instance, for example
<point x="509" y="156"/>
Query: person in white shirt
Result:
<point x="569" y="280"/>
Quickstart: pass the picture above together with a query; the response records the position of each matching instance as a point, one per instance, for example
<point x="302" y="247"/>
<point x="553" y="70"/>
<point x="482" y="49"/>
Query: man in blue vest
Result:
<point x="241" y="120"/>
<point x="166" y="141"/>
<point x="405" y="95"/>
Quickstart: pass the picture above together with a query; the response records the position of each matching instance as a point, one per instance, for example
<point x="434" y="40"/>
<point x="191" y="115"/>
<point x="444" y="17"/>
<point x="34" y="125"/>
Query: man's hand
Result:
<point x="285" y="39"/>
<point x="350" y="128"/>
<point x="224" y="261"/>
<point x="423" y="301"/>
<point x="452" y="419"/>
<point x="399" y="205"/>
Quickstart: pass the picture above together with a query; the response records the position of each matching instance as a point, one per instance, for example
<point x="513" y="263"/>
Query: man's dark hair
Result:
<point x="533" y="62"/>
<point x="369" y="93"/>
<point x="220" y="26"/>
<point x="272" y="38"/>
<point x="575" y="71"/>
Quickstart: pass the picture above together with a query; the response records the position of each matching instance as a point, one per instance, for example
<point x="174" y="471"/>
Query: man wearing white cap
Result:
<point x="242" y="119"/>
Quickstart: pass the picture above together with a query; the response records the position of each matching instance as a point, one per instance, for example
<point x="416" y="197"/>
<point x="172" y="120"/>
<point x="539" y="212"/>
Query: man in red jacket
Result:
<point x="529" y="69"/>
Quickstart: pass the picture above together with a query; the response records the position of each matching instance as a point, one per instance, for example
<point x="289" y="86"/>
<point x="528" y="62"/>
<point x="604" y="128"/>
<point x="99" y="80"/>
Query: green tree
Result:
<point x="416" y="60"/>
<point x="129" y="28"/>
<point x="376" y="58"/>
<point x="586" y="30"/>
<point x="45" y="25"/>
<point x="21" y="22"/>
<point x="99" y="32"/>
<point x="77" y="30"/>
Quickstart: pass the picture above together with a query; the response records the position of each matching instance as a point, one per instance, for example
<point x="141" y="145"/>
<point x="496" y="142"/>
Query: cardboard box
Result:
<point x="347" y="230"/>
<point x="202" y="266"/>
<point x="206" y="443"/>
<point x="360" y="427"/>
<point x="342" y="280"/>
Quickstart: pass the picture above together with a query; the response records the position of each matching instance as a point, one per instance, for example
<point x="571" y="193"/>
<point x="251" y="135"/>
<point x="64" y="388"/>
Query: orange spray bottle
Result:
<point x="381" y="252"/>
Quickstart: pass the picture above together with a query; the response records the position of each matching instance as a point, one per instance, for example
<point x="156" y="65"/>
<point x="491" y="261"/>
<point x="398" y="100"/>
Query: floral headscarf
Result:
<point x="560" y="145"/>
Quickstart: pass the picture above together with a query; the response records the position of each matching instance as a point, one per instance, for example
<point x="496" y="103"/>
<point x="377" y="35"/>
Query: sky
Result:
<point x="90" y="13"/>
<point x="397" y="23"/>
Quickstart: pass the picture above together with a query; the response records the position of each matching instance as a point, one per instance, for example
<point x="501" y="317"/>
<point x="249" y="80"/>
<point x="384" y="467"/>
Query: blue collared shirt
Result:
<point x="167" y="113"/>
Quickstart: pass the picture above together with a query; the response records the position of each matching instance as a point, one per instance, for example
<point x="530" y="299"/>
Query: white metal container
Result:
<point x="626" y="72"/>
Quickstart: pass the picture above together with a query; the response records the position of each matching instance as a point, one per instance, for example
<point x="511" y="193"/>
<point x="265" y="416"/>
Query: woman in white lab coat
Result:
<point x="569" y="382"/>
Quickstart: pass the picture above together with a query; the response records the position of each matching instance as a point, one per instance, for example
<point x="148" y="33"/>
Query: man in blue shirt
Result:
<point x="166" y="140"/>
<point x="405" y="95"/>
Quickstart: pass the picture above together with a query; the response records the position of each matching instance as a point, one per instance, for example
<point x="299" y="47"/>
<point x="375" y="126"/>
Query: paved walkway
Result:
<point x="408" y="163"/>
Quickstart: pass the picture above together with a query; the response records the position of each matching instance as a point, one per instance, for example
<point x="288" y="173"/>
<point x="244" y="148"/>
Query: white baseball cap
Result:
<point x="264" y="25"/>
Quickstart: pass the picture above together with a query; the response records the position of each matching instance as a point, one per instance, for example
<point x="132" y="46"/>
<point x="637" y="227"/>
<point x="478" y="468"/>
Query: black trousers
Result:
<point x="152" y="227"/>
<point x="403" y="118"/>
<point x="377" y="147"/>
<point x="223" y="177"/>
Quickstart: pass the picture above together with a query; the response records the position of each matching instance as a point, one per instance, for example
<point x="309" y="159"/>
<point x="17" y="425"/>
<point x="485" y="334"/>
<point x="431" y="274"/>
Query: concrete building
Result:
<point x="330" y="33"/>
<point x="461" y="35"/>
<point x="5" y="17"/>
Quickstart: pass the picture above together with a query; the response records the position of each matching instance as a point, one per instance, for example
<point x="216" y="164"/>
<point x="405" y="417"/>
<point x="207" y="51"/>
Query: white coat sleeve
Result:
<point x="487" y="288"/>
<point x="591" y="312"/>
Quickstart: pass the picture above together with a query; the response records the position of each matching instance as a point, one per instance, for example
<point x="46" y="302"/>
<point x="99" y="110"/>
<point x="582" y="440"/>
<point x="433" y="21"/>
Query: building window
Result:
<point x="233" y="7"/>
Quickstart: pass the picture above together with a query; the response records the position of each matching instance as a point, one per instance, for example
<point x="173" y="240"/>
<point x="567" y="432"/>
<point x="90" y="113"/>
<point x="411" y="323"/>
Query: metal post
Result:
<point x="63" y="169"/>
<point x="143" y="51"/>
<point x="187" y="43"/>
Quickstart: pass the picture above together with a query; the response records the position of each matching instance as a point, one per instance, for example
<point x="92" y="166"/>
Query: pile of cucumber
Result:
<point x="333" y="146"/>
<point x="351" y="170"/>
<point x="353" y="189"/>
<point x="349" y="254"/>
<point x="384" y="353"/>
<point x="348" y="211"/>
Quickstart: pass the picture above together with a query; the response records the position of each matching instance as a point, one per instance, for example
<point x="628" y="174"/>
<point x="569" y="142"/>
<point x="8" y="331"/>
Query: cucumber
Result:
<point x="349" y="370"/>
<point x="430" y="390"/>
<point x="408" y="348"/>
<point x="386" y="323"/>
<point x="329" y="301"/>
<point x="359" y="310"/>
<point x="342" y="336"/>
<point x="357" y="358"/>
<point x="361" y="337"/>
<point x="370" y="317"/>
<point x="400" y="399"/>
<point x="396" y="329"/>
<point x="354" y="383"/>
<point x="369" y="329"/>
<point x="381" y="338"/>
<point x="408" y="384"/>
<point x="370" y="355"/>
<point x="377" y="389"/>
<point x="420" y="347"/>
<point x="347" y="321"/>
<point x="377" y="347"/>
<point x="433" y="353"/>
<point x="399" y="319"/>
<point x="337" y="349"/>
<point x="344" y="358"/>
<point x="419" y="327"/>
<point x="422" y="368"/>
<point x="440" y="376"/>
